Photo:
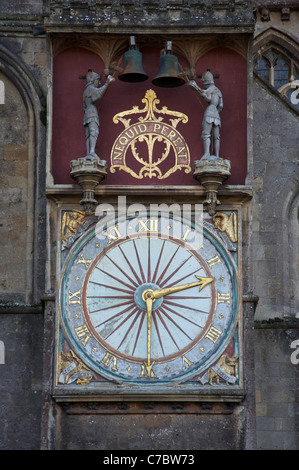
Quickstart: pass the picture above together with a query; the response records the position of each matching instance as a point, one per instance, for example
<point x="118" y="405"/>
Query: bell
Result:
<point x="168" y="73"/>
<point x="133" y="70"/>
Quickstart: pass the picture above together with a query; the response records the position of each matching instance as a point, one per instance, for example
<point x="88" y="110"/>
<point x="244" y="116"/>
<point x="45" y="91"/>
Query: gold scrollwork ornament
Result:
<point x="149" y="130"/>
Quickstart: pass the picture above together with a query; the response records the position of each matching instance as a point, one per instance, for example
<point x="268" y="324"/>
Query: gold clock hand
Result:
<point x="149" y="296"/>
<point x="203" y="281"/>
<point x="148" y="299"/>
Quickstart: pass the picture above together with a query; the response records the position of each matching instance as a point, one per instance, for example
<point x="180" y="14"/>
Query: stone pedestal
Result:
<point x="88" y="172"/>
<point x="211" y="172"/>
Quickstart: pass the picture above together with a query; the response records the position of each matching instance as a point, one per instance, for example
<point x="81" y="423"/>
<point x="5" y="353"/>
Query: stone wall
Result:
<point x="275" y="267"/>
<point x="21" y="381"/>
<point x="277" y="387"/>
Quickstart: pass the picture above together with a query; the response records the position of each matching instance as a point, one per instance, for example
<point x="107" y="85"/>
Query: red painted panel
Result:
<point x="69" y="134"/>
<point x="232" y="82"/>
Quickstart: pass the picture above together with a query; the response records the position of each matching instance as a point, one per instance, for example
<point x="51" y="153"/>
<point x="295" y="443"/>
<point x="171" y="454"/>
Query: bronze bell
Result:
<point x="168" y="74"/>
<point x="133" y="70"/>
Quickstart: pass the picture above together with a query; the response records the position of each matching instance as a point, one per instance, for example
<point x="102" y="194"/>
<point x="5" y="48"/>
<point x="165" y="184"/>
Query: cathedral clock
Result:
<point x="150" y="303"/>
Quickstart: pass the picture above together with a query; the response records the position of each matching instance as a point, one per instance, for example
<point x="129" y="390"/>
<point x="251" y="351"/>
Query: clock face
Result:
<point x="147" y="302"/>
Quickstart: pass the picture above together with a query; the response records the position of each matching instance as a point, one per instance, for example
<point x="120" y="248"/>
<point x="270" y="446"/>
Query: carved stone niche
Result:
<point x="211" y="172"/>
<point x="88" y="172"/>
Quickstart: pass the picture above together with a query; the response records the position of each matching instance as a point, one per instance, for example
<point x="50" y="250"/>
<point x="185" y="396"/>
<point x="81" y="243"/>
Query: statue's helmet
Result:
<point x="207" y="78"/>
<point x="92" y="76"/>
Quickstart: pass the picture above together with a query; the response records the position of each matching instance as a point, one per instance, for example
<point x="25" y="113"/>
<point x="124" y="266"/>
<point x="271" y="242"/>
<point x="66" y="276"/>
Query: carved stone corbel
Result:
<point x="88" y="172"/>
<point x="211" y="172"/>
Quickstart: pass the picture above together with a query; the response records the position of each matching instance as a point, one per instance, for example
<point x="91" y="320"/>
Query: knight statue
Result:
<point x="211" y="120"/>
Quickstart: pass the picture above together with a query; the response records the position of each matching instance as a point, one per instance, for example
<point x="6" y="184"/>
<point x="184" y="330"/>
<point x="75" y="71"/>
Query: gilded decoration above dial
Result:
<point x="150" y="147"/>
<point x="150" y="302"/>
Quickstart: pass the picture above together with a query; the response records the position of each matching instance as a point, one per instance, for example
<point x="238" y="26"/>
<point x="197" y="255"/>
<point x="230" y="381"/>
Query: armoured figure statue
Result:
<point x="91" y="97"/>
<point x="211" y="120"/>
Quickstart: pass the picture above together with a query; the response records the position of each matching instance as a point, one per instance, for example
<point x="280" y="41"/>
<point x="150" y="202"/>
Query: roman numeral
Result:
<point x="186" y="362"/>
<point x="147" y="371"/>
<point x="188" y="230"/>
<point x="213" y="334"/>
<point x="149" y="225"/>
<point x="86" y="262"/>
<point x="83" y="333"/>
<point x="211" y="262"/>
<point x="112" y="234"/>
<point x="223" y="298"/>
<point x="75" y="297"/>
<point x="109" y="359"/>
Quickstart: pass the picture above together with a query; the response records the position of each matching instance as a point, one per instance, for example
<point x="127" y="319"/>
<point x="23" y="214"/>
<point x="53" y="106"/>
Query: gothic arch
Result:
<point x="24" y="81"/>
<point x="276" y="61"/>
<point x="274" y="37"/>
<point x="31" y="94"/>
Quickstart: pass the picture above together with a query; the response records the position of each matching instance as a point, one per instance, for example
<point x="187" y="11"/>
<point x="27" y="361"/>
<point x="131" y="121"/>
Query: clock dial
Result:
<point x="148" y="306"/>
<point x="116" y="311"/>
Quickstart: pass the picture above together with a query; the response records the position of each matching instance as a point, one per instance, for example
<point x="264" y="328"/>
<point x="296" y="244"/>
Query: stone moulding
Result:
<point x="86" y="395"/>
<point x="147" y="407"/>
<point x="155" y="13"/>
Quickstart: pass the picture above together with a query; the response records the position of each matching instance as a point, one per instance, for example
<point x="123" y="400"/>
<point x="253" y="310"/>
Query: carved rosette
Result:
<point x="211" y="172"/>
<point x="88" y="172"/>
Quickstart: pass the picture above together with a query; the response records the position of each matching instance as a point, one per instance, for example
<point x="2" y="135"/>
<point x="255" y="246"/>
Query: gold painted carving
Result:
<point x="227" y="223"/>
<point x="70" y="223"/>
<point x="72" y="369"/>
<point x="226" y="368"/>
<point x="150" y="130"/>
